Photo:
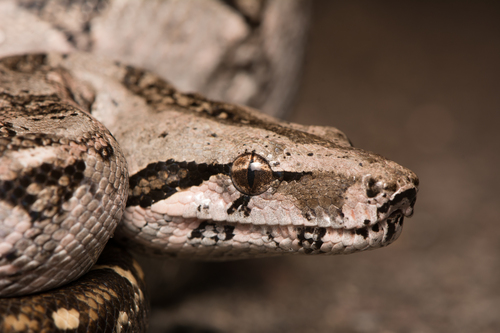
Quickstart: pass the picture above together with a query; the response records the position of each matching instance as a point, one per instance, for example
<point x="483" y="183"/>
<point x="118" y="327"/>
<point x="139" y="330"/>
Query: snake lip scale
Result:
<point x="91" y="149"/>
<point x="279" y="237"/>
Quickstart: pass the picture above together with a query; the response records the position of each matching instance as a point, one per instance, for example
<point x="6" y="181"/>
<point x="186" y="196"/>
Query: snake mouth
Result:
<point x="369" y="225"/>
<point x="222" y="240"/>
<point x="392" y="227"/>
<point x="391" y="218"/>
<point x="262" y="240"/>
<point x="317" y="240"/>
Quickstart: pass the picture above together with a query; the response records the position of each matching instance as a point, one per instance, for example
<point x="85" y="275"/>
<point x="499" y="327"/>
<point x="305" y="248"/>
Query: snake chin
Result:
<point x="193" y="238"/>
<point x="317" y="240"/>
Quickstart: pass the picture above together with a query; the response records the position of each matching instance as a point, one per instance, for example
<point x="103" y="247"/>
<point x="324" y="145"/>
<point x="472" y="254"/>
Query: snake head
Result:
<point x="213" y="180"/>
<point x="238" y="183"/>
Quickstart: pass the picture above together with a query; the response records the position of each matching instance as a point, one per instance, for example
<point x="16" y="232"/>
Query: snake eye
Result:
<point x="251" y="174"/>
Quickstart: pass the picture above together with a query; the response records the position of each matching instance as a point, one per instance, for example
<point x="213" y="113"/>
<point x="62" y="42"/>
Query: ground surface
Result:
<point x="418" y="83"/>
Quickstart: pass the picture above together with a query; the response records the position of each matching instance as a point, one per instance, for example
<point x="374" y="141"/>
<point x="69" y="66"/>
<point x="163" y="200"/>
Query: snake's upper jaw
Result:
<point x="405" y="200"/>
<point x="377" y="197"/>
<point x="402" y="200"/>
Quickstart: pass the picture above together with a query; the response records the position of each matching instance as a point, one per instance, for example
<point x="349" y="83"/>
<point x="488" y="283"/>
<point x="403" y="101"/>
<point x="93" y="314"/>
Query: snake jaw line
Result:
<point x="179" y="227"/>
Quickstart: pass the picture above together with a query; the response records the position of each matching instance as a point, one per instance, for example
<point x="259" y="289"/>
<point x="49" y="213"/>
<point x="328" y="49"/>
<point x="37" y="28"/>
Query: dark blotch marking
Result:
<point x="156" y="89"/>
<point x="228" y="231"/>
<point x="311" y="244"/>
<point x="160" y="180"/>
<point x="391" y="229"/>
<point x="69" y="170"/>
<point x="29" y="199"/>
<point x="46" y="167"/>
<point x="363" y="232"/>
<point x="7" y="185"/>
<point x="14" y="191"/>
<point x="288" y="176"/>
<point x="25" y="63"/>
<point x="146" y="201"/>
<point x="392" y="224"/>
<point x="310" y="215"/>
<point x="240" y="204"/>
<point x="40" y="178"/>
<point x="11" y="255"/>
<point x="80" y="165"/>
<point x="372" y="189"/>
<point x="10" y="132"/>
<point x="271" y="238"/>
<point x="106" y="152"/>
<point x="56" y="174"/>
<point x="409" y="194"/>
<point x="78" y="176"/>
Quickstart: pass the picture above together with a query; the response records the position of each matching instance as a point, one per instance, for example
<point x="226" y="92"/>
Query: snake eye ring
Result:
<point x="251" y="174"/>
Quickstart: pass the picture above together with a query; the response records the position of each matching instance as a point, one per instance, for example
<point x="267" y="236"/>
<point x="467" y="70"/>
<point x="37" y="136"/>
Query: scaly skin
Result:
<point x="206" y="180"/>
<point x="321" y="195"/>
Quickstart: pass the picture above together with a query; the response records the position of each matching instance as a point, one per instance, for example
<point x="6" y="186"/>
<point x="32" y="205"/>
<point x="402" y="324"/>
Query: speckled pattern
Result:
<point x="208" y="180"/>
<point x="318" y="181"/>
<point x="63" y="181"/>
<point x="181" y="164"/>
<point x="109" y="298"/>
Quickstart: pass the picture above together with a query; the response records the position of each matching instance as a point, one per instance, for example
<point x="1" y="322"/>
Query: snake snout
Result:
<point x="402" y="200"/>
<point x="411" y="197"/>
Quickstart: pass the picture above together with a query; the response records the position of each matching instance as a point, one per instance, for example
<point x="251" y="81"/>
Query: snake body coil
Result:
<point x="206" y="180"/>
<point x="109" y="298"/>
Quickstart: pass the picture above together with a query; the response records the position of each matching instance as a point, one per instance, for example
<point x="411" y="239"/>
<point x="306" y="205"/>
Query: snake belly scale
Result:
<point x="205" y="180"/>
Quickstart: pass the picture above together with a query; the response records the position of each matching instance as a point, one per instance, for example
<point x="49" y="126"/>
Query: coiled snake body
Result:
<point x="205" y="180"/>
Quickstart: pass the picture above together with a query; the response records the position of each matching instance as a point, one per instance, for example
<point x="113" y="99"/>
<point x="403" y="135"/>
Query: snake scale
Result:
<point x="190" y="178"/>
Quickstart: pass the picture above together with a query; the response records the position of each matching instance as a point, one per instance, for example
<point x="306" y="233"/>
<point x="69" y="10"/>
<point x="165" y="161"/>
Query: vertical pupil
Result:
<point x="251" y="173"/>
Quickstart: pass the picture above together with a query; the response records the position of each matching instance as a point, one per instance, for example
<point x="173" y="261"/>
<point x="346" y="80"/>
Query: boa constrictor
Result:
<point x="205" y="180"/>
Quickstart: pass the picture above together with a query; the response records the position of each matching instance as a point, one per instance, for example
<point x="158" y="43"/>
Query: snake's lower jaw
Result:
<point x="195" y="238"/>
<point x="178" y="227"/>
<point x="210" y="240"/>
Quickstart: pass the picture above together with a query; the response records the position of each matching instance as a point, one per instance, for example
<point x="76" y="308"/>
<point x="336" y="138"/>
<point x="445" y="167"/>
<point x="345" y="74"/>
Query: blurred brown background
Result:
<point x="418" y="82"/>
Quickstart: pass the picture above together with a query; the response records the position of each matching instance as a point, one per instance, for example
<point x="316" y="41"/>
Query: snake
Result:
<point x="92" y="149"/>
